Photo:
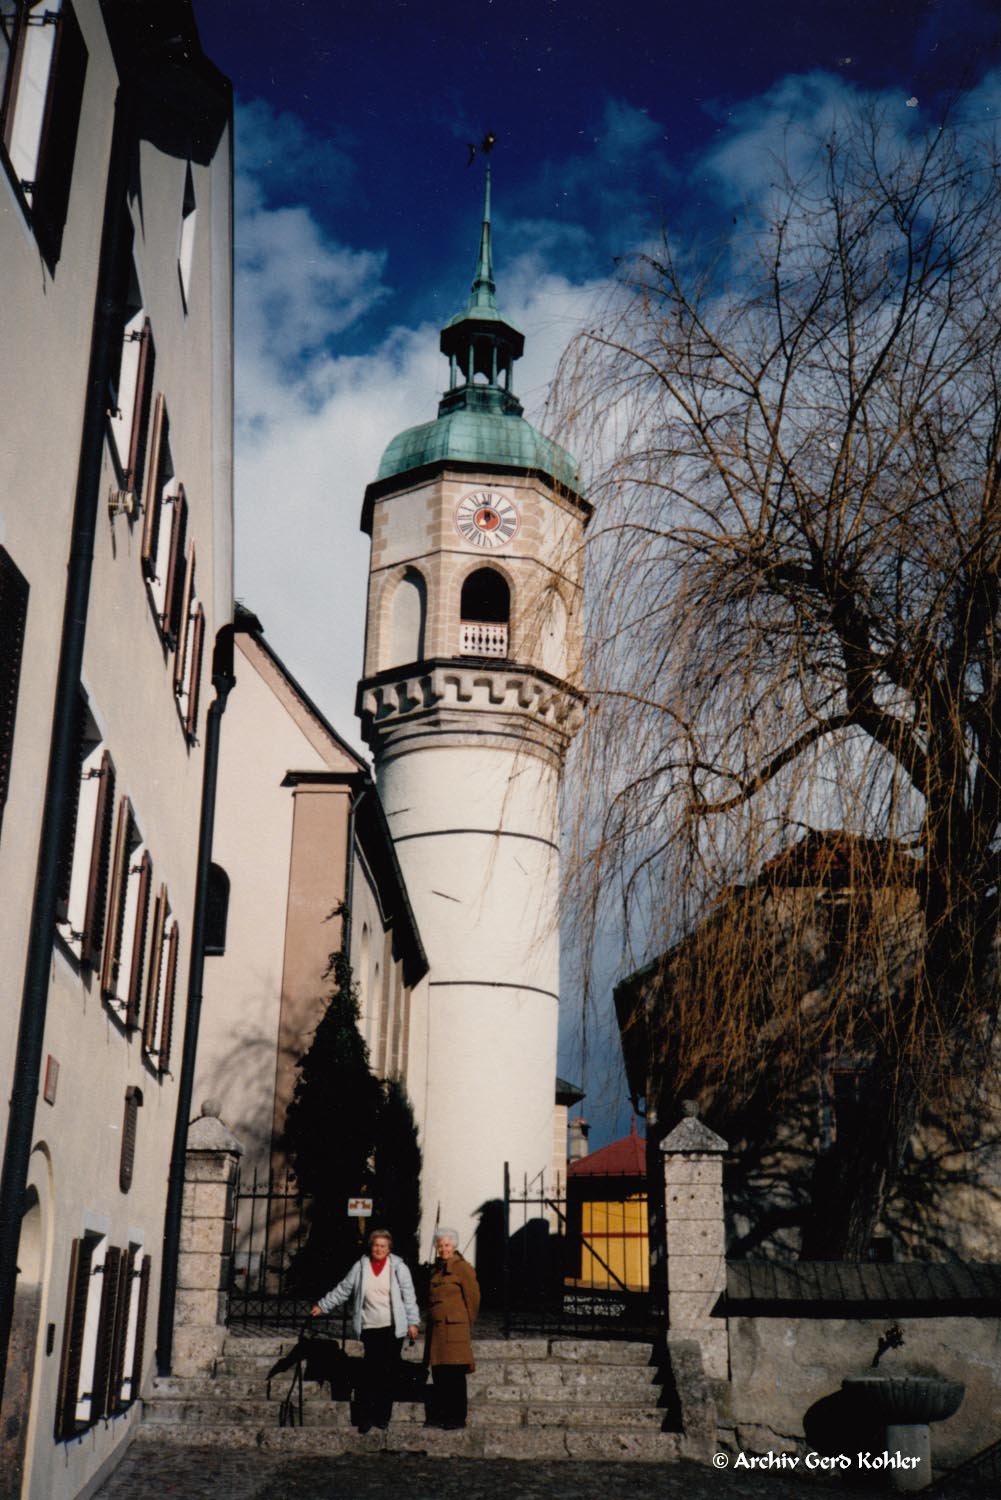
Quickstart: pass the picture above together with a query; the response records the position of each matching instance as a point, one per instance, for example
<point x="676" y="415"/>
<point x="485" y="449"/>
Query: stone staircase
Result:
<point x="528" y="1398"/>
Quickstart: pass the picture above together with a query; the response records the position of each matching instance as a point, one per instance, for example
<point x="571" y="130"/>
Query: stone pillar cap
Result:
<point x="691" y="1137"/>
<point x="208" y="1133"/>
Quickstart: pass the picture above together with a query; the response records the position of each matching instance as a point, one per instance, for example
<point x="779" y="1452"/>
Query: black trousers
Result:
<point x="379" y="1376"/>
<point x="449" y="1394"/>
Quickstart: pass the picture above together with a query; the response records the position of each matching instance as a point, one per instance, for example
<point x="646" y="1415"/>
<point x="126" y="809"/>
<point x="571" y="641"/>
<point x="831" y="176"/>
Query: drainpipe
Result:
<point x="349" y="874"/>
<point x="107" y="322"/>
<point x="223" y="681"/>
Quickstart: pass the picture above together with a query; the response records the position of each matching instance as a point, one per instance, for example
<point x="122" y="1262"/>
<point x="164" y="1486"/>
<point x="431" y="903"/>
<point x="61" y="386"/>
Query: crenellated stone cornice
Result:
<point x="460" y="701"/>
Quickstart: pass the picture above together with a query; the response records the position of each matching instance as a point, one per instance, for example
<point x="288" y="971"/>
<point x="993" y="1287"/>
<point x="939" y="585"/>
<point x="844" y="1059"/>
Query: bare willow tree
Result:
<point x="795" y="558"/>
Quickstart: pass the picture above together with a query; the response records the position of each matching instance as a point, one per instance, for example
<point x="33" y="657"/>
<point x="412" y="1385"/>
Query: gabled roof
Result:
<point x="623" y="1158"/>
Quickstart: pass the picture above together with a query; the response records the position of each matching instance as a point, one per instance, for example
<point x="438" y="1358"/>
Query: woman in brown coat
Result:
<point x="454" y="1303"/>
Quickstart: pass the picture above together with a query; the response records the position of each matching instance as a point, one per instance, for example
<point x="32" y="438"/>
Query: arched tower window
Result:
<point x="408" y="621"/>
<point x="485" y="611"/>
<point x="216" y="910"/>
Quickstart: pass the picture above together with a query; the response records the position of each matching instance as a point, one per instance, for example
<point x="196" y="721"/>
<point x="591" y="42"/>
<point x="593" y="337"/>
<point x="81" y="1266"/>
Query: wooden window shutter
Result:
<point x="167" y="1001"/>
<point x="57" y="147"/>
<point x="14" y="32"/>
<point x="126" y="1283"/>
<point x="155" y="965"/>
<point x="116" y="899"/>
<point x="130" y="1121"/>
<point x="65" y="871"/>
<point x="13" y="614"/>
<point x="137" y="1357"/>
<point x="154" y="499"/>
<point x="184" y="624"/>
<point x="101" y="1384"/>
<point x="81" y="1255"/>
<point x="194" y="677"/>
<point x="173" y="598"/>
<point x="139" y="945"/>
<point x="100" y="860"/>
<point x="140" y="428"/>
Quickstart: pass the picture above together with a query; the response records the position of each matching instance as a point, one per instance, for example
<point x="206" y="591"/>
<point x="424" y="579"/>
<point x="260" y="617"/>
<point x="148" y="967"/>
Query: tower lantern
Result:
<point x="469" y="702"/>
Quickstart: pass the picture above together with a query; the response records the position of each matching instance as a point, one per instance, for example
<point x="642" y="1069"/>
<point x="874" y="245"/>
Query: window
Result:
<point x="152" y="555"/>
<point x="13" y="614"/>
<point x="131" y="396"/>
<point x="190" y="641"/>
<point x="103" y="1336"/>
<point x="485" y="609"/>
<point x="161" y="984"/>
<point x="216" y="911"/>
<point x="186" y="248"/>
<point x="43" y="63"/>
<point x="86" y="855"/>
<point x="128" y="918"/>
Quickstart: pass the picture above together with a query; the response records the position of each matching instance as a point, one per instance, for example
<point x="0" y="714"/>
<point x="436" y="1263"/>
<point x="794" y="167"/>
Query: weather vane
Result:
<point x="487" y="144"/>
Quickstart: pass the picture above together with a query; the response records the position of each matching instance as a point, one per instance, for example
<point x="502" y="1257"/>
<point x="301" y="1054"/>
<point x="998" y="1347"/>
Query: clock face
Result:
<point x="486" y="519"/>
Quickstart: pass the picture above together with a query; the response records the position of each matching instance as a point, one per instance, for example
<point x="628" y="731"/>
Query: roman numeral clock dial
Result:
<point x="486" y="520"/>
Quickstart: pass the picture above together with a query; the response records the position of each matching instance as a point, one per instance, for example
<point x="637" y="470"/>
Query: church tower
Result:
<point x="469" y="703"/>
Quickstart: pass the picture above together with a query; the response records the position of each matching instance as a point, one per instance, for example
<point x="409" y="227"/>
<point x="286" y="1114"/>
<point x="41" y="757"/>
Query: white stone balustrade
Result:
<point x="479" y="639"/>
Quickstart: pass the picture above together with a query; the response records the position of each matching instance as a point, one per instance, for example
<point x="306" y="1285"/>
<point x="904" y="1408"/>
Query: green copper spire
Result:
<point x="484" y="289"/>
<point x="481" y="345"/>
<point x="479" y="417"/>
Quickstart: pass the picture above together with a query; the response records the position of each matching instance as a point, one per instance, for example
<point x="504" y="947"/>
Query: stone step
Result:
<point x="521" y="1374"/>
<point x="472" y="1442"/>
<point x="205" y="1411"/>
<point x="265" y="1348"/>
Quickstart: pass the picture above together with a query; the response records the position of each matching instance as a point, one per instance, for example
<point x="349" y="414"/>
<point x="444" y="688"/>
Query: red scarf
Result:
<point x="378" y="1266"/>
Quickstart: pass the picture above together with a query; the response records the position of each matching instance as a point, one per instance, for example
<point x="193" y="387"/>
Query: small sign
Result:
<point x="51" y="1079"/>
<point x="359" y="1208"/>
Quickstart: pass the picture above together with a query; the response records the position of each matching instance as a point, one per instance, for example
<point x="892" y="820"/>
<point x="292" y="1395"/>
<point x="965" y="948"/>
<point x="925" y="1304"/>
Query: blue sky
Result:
<point x="357" y="222"/>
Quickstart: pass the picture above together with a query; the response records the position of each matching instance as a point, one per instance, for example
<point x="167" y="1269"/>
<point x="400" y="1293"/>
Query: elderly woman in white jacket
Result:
<point x="383" y="1313"/>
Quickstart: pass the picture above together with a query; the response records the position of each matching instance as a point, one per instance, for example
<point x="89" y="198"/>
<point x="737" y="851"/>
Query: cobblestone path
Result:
<point x="175" y="1473"/>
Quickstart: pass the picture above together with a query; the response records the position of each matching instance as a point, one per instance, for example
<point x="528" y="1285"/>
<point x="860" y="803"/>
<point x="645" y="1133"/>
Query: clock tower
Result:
<point x="469" y="702"/>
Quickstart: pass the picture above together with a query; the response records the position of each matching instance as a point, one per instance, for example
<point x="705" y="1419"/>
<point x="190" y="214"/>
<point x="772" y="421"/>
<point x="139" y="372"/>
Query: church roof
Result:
<point x="479" y="418"/>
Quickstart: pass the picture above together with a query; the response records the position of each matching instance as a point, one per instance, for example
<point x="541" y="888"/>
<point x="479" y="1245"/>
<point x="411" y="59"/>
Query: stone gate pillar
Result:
<point x="693" y="1211"/>
<point x="210" y="1169"/>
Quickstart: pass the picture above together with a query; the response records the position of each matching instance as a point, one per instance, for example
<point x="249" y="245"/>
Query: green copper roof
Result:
<point x="480" y="437"/>
<point x="479" y="417"/>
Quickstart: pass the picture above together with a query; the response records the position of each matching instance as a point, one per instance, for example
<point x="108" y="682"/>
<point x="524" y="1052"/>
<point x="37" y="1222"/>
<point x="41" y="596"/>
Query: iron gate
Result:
<point x="270" y="1225"/>
<point x="576" y="1261"/>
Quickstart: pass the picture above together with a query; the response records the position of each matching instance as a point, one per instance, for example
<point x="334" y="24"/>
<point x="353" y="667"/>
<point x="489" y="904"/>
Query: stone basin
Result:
<point x="901" y="1400"/>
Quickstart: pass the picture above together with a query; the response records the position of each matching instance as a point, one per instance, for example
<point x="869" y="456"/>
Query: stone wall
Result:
<point x="206" y="1239"/>
<point x="786" y="1374"/>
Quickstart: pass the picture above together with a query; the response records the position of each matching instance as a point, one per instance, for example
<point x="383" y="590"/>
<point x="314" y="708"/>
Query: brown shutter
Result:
<point x="81" y="1255"/>
<point x="153" y="977"/>
<point x="139" y="943"/>
<point x="167" y="1002"/>
<point x="100" y="1386"/>
<point x="133" y="1099"/>
<point x="161" y="427"/>
<point x="13" y="613"/>
<point x="8" y="94"/>
<point x="57" y="146"/>
<point x="184" y="624"/>
<point x="173" y="597"/>
<point x="65" y="871"/>
<point x="140" y="423"/>
<point x="121" y="1338"/>
<point x="194" y="680"/>
<point x="100" y="859"/>
<point x="137" y="1358"/>
<point x="116" y="900"/>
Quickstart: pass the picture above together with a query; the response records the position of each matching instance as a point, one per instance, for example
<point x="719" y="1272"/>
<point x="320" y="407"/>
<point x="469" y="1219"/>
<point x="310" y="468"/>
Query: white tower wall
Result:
<point x="476" y="838"/>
